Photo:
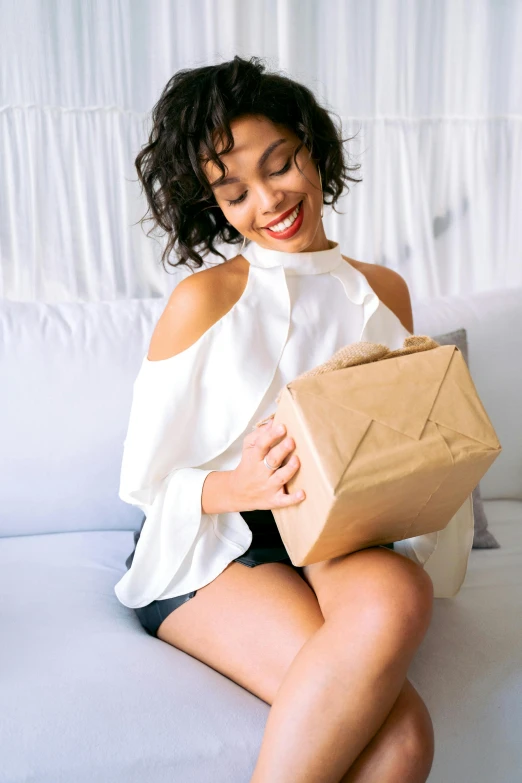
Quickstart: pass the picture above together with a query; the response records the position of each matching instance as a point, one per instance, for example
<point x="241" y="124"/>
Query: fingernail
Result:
<point x="280" y="429"/>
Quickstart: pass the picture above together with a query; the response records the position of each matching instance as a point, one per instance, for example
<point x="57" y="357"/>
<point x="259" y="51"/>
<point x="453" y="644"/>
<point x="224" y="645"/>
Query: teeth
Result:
<point x="287" y="222"/>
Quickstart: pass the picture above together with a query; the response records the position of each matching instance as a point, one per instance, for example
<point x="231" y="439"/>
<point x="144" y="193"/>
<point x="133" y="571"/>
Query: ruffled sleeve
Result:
<point x="186" y="411"/>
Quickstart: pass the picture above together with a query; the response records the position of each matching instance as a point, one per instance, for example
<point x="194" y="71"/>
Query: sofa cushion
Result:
<point x="468" y="668"/>
<point x="482" y="537"/>
<point x="67" y="376"/>
<point x="87" y="695"/>
<point x="493" y="322"/>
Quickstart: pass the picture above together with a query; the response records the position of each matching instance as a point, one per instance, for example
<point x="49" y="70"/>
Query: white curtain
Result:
<point x="433" y="88"/>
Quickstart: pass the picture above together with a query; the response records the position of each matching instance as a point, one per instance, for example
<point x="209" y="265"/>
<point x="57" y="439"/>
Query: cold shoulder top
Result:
<point x="190" y="412"/>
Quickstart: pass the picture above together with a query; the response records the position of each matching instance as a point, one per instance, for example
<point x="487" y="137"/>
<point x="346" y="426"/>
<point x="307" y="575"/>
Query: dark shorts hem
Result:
<point x="266" y="547"/>
<point x="152" y="615"/>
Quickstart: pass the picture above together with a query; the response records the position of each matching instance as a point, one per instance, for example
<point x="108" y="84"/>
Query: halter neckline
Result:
<point x="314" y="262"/>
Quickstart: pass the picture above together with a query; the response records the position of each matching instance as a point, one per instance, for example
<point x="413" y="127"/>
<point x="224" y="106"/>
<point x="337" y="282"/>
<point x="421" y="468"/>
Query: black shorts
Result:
<point x="266" y="547"/>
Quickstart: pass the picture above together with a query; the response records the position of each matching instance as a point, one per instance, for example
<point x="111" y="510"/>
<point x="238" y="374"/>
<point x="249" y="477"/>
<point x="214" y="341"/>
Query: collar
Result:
<point x="315" y="262"/>
<point x="355" y="284"/>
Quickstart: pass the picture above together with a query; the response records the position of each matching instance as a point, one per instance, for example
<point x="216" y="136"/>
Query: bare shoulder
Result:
<point x="390" y="287"/>
<point x="195" y="305"/>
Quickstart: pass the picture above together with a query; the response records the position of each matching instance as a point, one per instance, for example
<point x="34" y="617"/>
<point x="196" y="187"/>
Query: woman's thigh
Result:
<point x="376" y="585"/>
<point x="248" y="624"/>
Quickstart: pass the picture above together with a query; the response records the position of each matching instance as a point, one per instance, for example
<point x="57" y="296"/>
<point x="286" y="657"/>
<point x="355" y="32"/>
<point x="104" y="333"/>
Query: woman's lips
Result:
<point x="281" y="217"/>
<point x="291" y="230"/>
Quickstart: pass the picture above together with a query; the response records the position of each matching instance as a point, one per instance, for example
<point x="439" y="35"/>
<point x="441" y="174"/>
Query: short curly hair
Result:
<point x="197" y="107"/>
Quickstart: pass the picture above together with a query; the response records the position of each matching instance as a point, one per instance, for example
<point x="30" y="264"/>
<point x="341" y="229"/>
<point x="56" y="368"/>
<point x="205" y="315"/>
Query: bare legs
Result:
<point x="344" y="682"/>
<point x="402" y="750"/>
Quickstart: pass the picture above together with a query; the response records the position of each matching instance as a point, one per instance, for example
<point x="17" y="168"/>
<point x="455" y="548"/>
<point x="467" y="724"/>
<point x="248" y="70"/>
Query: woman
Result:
<point x="235" y="154"/>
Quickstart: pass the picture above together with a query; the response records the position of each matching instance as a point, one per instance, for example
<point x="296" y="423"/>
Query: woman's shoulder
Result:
<point x="390" y="287"/>
<point x="197" y="303"/>
<point x="220" y="283"/>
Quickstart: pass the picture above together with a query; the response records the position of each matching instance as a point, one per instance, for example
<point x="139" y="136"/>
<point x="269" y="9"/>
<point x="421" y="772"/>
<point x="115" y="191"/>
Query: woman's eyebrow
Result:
<point x="268" y="151"/>
<point x="264" y="157"/>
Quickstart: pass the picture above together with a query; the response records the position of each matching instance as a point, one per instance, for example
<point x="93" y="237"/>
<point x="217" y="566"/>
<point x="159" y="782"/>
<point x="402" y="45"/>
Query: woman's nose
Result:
<point x="269" y="201"/>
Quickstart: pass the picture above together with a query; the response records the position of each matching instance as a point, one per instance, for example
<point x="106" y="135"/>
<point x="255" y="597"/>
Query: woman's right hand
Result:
<point x="256" y="486"/>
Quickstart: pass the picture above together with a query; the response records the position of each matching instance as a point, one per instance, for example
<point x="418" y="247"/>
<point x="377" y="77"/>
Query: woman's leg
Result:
<point x="250" y="624"/>
<point x="345" y="680"/>
<point x="402" y="750"/>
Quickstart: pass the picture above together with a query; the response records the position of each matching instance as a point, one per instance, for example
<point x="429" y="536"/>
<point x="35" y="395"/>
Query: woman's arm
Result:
<point x="217" y="496"/>
<point x="392" y="289"/>
<point x="194" y="306"/>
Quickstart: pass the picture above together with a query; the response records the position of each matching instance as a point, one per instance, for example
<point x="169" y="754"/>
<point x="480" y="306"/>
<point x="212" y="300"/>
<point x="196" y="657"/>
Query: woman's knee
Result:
<point x="385" y="591"/>
<point x="398" y="598"/>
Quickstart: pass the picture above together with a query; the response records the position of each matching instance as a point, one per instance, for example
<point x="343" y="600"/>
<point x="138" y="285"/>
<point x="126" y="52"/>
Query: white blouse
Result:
<point x="190" y="412"/>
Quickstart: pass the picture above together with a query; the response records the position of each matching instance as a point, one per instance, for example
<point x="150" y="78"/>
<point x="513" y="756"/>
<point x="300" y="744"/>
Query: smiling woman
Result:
<point x="234" y="152"/>
<point x="276" y="196"/>
<point x="237" y="153"/>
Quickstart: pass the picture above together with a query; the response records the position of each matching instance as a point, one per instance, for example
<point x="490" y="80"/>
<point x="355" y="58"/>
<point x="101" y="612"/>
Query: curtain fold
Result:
<point x="431" y="90"/>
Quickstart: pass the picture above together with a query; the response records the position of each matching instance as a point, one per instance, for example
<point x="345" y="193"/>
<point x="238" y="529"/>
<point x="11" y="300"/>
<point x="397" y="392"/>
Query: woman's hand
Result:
<point x="256" y="486"/>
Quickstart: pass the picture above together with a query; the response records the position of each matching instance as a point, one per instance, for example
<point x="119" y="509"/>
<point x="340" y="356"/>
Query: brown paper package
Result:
<point x="389" y="449"/>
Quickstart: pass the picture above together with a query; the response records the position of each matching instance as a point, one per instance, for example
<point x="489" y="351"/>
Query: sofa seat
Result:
<point x="88" y="696"/>
<point x="468" y="668"/>
<point x="173" y="719"/>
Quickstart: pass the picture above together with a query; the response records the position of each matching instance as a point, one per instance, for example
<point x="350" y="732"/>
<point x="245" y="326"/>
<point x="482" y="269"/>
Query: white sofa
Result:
<point x="86" y="695"/>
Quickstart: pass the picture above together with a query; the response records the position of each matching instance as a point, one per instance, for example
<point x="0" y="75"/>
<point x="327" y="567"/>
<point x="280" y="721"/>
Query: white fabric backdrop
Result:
<point x="434" y="88"/>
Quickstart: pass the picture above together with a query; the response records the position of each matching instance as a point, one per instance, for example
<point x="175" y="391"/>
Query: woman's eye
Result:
<point x="237" y="200"/>
<point x="283" y="170"/>
<point x="274" y="174"/>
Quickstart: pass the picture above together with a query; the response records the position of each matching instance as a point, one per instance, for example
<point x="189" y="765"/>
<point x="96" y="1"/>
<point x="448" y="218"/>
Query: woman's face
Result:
<point x="264" y="195"/>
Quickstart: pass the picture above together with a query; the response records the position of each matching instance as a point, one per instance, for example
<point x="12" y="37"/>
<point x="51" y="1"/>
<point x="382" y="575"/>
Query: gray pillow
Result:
<point x="482" y="538"/>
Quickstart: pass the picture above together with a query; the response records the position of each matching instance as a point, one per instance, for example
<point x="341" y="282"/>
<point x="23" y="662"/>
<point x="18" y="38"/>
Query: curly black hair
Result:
<point x="195" y="108"/>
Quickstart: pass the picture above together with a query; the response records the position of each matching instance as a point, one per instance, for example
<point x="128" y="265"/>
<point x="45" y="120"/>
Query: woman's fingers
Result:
<point x="279" y="453"/>
<point x="267" y="440"/>
<point x="257" y="437"/>
<point x="289" y="500"/>
<point x="284" y="475"/>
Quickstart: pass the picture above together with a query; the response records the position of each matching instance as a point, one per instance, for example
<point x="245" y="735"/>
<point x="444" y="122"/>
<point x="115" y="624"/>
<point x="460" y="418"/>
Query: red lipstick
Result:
<point x="291" y="230"/>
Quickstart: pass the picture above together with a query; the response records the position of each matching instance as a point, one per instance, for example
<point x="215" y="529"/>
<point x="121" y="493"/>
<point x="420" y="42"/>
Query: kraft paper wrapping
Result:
<point x="389" y="448"/>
